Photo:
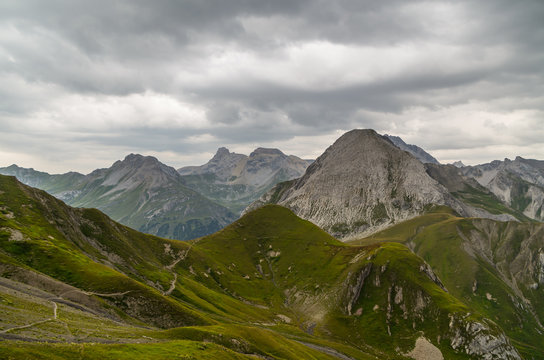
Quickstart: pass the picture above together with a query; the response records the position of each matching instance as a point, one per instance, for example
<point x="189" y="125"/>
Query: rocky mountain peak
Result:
<point x="221" y="153"/>
<point x="458" y="164"/>
<point x="266" y="151"/>
<point x="361" y="183"/>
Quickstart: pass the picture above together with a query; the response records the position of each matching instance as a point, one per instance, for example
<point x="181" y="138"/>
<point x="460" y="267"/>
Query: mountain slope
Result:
<point x="518" y="183"/>
<point x="496" y="268"/>
<point x="247" y="291"/>
<point x="415" y="150"/>
<point x="361" y="184"/>
<point x="139" y="192"/>
<point x="470" y="192"/>
<point x="236" y="180"/>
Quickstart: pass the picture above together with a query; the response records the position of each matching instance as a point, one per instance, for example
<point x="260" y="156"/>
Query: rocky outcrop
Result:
<point x="480" y="341"/>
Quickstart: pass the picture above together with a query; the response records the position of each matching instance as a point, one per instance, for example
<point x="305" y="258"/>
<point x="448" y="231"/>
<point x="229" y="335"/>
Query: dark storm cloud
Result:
<point x="187" y="76"/>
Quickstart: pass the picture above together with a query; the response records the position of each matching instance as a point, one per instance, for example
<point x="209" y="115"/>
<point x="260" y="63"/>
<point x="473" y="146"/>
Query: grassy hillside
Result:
<point x="493" y="267"/>
<point x="269" y="285"/>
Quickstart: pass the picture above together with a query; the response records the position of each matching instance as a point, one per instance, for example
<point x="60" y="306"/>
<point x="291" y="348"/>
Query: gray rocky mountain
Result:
<point x="415" y="150"/>
<point x="518" y="183"/>
<point x="139" y="192"/>
<point x="458" y="164"/>
<point x="236" y="180"/>
<point x="362" y="184"/>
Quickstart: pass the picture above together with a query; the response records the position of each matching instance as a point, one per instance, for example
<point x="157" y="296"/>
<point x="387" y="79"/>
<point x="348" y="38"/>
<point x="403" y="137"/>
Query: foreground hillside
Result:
<point x="270" y="285"/>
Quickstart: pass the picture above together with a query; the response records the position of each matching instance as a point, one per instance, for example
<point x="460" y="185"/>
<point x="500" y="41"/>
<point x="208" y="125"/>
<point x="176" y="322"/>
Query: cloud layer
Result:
<point x="83" y="83"/>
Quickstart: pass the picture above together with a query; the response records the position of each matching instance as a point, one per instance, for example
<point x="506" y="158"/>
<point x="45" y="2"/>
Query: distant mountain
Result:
<point x="415" y="150"/>
<point x="458" y="164"/>
<point x="364" y="183"/>
<point x="518" y="183"/>
<point x="139" y="192"/>
<point x="236" y="180"/>
<point x="56" y="184"/>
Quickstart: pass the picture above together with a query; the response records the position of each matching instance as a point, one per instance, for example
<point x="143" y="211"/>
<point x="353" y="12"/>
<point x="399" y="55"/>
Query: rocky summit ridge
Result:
<point x="236" y="180"/>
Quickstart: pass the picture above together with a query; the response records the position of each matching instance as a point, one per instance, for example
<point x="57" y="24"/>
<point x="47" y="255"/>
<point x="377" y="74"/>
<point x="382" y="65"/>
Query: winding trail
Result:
<point x="91" y="293"/>
<point x="182" y="256"/>
<point x="34" y="323"/>
<point x="172" y="285"/>
<point x="326" y="350"/>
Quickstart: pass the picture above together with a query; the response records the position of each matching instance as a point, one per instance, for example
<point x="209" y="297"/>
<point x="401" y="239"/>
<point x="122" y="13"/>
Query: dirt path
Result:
<point x="326" y="350"/>
<point x="171" y="267"/>
<point x="34" y="323"/>
<point x="91" y="293"/>
<point x="172" y="285"/>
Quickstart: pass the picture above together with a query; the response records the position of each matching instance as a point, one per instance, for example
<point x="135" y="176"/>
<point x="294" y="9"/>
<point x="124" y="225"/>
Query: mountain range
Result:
<point x="436" y="261"/>
<point x="149" y="196"/>
<point x="139" y="192"/>
<point x="270" y="285"/>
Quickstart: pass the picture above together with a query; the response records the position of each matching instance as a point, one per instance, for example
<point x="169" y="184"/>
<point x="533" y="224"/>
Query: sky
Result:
<point x="84" y="83"/>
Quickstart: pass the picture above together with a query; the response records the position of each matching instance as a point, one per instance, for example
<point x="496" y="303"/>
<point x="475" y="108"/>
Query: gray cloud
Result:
<point x="180" y="78"/>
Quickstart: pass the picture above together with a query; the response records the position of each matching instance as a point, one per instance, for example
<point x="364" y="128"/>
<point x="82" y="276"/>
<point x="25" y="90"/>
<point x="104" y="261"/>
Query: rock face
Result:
<point x="415" y="150"/>
<point x="361" y="183"/>
<point x="518" y="183"/>
<point x="236" y="180"/>
<point x="142" y="193"/>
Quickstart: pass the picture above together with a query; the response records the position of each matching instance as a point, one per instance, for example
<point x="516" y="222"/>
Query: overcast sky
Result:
<point x="84" y="83"/>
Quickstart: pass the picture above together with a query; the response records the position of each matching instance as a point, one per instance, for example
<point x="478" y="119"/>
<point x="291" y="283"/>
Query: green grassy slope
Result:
<point x="492" y="267"/>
